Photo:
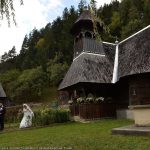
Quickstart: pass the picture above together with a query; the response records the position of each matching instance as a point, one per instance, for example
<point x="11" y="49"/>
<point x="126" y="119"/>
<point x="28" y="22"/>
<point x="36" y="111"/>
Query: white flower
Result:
<point x="99" y="99"/>
<point x="70" y="102"/>
<point x="80" y="100"/>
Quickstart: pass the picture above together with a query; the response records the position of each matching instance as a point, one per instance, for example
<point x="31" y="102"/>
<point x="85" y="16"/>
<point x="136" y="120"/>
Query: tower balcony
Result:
<point x="88" y="45"/>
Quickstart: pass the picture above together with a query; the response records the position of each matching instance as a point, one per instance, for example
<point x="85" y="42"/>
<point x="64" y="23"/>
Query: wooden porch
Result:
<point x="93" y="111"/>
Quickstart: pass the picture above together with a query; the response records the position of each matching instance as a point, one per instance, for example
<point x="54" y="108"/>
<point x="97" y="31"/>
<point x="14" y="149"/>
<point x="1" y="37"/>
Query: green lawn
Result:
<point x="78" y="136"/>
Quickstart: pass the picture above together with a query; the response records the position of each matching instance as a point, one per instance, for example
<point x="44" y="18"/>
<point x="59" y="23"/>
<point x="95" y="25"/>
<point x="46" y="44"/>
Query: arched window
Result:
<point x="94" y="36"/>
<point x="81" y="35"/>
<point x="76" y="39"/>
<point x="88" y="35"/>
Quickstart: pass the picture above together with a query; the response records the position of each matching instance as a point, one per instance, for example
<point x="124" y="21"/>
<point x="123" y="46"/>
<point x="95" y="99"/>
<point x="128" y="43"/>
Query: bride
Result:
<point x="27" y="117"/>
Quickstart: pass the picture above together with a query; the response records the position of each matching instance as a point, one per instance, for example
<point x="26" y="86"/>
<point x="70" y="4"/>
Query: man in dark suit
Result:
<point x="2" y="113"/>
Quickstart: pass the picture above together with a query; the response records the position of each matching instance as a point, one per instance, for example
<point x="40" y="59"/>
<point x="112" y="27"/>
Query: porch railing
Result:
<point x="93" y="111"/>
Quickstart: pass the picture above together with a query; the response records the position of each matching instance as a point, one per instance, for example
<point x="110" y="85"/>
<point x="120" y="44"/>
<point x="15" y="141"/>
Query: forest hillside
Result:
<point x="46" y="54"/>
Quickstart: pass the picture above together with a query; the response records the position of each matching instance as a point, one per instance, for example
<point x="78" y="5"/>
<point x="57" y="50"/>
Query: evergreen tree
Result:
<point x="146" y="12"/>
<point x="93" y="7"/>
<point x="81" y="6"/>
<point x="65" y="14"/>
<point x="12" y="53"/>
<point x="115" y="26"/>
<point x="25" y="45"/>
<point x="4" y="57"/>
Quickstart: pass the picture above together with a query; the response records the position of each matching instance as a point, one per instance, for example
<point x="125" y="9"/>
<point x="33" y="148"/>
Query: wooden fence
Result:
<point x="93" y="111"/>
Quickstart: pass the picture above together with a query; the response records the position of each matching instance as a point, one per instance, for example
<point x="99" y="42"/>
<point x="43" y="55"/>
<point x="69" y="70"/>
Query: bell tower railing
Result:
<point x="88" y="45"/>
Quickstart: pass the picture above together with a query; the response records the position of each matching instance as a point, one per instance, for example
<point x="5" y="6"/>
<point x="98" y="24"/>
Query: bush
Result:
<point x="41" y="117"/>
<point x="48" y="116"/>
<point x="61" y="116"/>
<point x="13" y="115"/>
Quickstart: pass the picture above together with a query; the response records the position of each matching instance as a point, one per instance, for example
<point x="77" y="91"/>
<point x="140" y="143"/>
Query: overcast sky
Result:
<point x="33" y="14"/>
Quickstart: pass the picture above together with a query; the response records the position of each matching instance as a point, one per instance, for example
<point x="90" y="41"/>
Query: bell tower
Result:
<point x="84" y="36"/>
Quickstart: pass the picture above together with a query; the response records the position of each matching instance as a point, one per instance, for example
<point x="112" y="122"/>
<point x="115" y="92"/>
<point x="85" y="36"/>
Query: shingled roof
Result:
<point x="90" y="68"/>
<point x="134" y="54"/>
<point x="86" y="20"/>
<point x="86" y="15"/>
<point x="134" y="58"/>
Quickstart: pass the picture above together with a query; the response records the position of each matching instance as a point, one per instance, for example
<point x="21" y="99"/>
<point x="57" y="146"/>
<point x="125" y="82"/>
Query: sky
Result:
<point x="33" y="14"/>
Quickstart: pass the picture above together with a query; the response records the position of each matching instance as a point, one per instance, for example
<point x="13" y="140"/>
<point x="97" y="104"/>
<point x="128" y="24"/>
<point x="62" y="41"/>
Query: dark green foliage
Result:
<point x="48" y="116"/>
<point x="12" y="53"/>
<point x="42" y="45"/>
<point x="56" y="70"/>
<point x="146" y="14"/>
<point x="29" y="85"/>
<point x="9" y="76"/>
<point x="30" y="51"/>
<point x="8" y="60"/>
<point x="12" y="114"/>
<point x="124" y="18"/>
<point x="24" y="86"/>
<point x="41" y="117"/>
<point x="132" y="27"/>
<point x="46" y="54"/>
<point x="93" y="6"/>
<point x="81" y="6"/>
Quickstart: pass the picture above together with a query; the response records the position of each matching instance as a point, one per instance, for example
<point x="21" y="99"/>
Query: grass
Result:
<point x="78" y="136"/>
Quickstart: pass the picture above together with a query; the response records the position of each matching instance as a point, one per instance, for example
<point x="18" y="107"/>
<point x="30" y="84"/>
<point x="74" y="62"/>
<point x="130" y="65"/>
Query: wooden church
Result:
<point x="119" y="72"/>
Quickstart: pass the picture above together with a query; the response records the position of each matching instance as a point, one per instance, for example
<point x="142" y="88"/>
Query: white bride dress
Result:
<point x="27" y="117"/>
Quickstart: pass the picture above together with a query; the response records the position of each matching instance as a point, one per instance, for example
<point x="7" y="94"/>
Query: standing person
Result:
<point x="2" y="114"/>
<point x="27" y="117"/>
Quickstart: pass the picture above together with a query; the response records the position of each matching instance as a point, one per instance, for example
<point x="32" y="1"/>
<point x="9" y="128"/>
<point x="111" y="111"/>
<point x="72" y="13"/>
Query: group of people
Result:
<point x="26" y="120"/>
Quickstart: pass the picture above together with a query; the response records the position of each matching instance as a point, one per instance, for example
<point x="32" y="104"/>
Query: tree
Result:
<point x="65" y="13"/>
<point x="97" y="22"/>
<point x="24" y="49"/>
<point x="4" y="57"/>
<point x="29" y="51"/>
<point x="81" y="6"/>
<point x="42" y="54"/>
<point x="12" y="53"/>
<point x="24" y="86"/>
<point x="57" y="72"/>
<point x="115" y="26"/>
<point x="132" y="27"/>
<point x="105" y="12"/>
<point x="25" y="45"/>
<point x="93" y="6"/>
<point x="7" y="10"/>
<point x="147" y="11"/>
<point x="124" y="8"/>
